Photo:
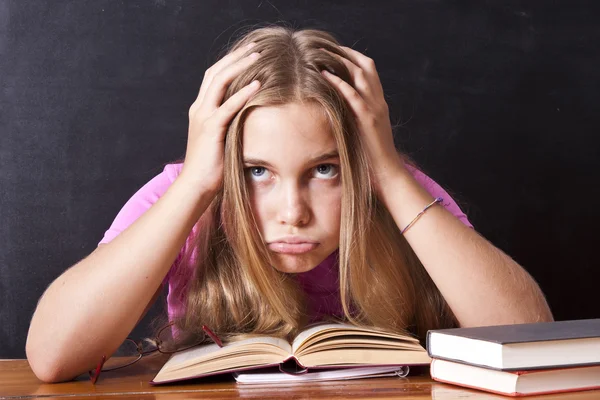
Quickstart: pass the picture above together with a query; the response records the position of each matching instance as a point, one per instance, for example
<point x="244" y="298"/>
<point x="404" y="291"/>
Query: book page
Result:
<point x="211" y="351"/>
<point x="322" y="332"/>
<point x="357" y="356"/>
<point x="363" y="342"/>
<point x="305" y="334"/>
<point x="219" y="365"/>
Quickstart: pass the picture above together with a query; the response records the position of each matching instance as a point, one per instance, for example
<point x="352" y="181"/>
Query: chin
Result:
<point x="295" y="263"/>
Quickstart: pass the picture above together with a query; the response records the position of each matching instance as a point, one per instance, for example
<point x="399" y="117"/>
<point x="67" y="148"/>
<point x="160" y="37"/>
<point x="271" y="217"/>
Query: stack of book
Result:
<point x="519" y="360"/>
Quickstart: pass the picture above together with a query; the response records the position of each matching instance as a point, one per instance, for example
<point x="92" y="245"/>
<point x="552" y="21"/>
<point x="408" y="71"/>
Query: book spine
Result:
<point x="292" y="366"/>
<point x="427" y="341"/>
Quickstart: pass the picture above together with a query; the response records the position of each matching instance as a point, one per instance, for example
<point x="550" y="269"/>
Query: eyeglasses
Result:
<point x="131" y="351"/>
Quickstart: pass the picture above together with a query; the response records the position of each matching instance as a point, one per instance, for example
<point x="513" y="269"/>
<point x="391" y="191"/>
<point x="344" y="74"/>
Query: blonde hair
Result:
<point x="234" y="289"/>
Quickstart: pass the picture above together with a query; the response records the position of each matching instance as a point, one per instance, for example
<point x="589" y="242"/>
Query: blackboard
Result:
<point x="497" y="100"/>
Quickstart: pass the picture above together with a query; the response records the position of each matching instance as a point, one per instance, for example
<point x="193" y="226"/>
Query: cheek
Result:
<point x="257" y="204"/>
<point x="328" y="208"/>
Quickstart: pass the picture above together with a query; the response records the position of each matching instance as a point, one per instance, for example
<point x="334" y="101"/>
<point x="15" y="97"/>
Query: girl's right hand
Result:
<point x="209" y="119"/>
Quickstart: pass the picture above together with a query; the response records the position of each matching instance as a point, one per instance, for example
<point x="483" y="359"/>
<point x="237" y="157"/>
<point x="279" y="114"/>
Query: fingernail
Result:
<point x="325" y="72"/>
<point x="251" y="45"/>
<point x="254" y="55"/>
<point x="254" y="84"/>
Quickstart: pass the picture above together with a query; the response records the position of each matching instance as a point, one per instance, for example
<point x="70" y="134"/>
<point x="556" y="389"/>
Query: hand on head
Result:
<point x="209" y="118"/>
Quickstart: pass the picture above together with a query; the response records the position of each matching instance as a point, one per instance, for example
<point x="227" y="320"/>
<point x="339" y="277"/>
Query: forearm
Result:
<point x="482" y="285"/>
<point x="89" y="310"/>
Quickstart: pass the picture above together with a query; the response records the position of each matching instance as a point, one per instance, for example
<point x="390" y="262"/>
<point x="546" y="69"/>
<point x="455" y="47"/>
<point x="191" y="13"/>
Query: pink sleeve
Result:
<point x="437" y="191"/>
<point x="141" y="201"/>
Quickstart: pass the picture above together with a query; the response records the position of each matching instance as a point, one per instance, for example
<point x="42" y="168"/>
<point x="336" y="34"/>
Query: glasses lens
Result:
<point x="125" y="355"/>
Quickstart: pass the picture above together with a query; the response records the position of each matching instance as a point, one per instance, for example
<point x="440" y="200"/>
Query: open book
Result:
<point x="322" y="346"/>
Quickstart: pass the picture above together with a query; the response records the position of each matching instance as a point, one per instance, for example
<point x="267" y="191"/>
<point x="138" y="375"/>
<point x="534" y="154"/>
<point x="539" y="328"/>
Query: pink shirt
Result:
<point x="320" y="284"/>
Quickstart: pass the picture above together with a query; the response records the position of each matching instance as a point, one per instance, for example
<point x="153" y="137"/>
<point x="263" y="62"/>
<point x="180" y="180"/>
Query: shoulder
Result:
<point x="142" y="200"/>
<point x="172" y="171"/>
<point x="158" y="185"/>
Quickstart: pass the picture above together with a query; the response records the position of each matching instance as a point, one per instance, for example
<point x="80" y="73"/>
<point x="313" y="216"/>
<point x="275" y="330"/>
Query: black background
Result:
<point x="497" y="100"/>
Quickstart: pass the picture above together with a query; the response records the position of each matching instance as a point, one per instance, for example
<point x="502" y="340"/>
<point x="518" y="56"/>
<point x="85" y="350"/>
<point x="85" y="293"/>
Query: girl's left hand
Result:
<point x="371" y="111"/>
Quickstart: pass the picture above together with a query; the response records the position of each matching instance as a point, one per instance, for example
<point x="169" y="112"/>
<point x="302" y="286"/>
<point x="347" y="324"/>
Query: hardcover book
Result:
<point x="517" y="383"/>
<point x="521" y="346"/>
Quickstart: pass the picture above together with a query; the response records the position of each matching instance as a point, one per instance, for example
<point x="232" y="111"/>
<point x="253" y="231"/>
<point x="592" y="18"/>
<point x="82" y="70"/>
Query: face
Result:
<point x="292" y="171"/>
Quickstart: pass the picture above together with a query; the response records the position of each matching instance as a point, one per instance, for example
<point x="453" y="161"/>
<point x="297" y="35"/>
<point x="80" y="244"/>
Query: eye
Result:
<point x="326" y="171"/>
<point x="258" y="174"/>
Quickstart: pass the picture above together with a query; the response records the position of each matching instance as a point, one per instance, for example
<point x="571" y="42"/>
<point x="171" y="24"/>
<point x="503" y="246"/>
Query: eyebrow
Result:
<point x="315" y="160"/>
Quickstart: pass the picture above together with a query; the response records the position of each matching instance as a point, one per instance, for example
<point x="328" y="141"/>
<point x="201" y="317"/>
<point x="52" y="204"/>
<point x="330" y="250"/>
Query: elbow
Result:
<point x="546" y="316"/>
<point x="533" y="314"/>
<point x="46" y="374"/>
<point x="41" y="365"/>
<point x="45" y="363"/>
<point x="544" y="313"/>
<point x="540" y="314"/>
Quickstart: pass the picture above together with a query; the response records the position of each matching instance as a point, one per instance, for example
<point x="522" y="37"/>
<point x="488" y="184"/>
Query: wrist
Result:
<point x="387" y="170"/>
<point x="198" y="183"/>
<point x="192" y="194"/>
<point x="404" y="196"/>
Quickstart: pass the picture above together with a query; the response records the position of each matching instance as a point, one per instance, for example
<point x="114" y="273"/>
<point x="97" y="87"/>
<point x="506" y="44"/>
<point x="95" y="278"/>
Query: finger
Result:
<point x="359" y="58"/>
<point x="366" y="64"/>
<point x="361" y="81"/>
<point x="355" y="100"/>
<point x="220" y="65"/>
<point x="224" y="114"/>
<point x="217" y="88"/>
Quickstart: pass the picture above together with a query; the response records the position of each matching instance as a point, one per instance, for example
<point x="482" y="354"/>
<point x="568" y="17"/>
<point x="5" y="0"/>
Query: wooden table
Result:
<point x="18" y="381"/>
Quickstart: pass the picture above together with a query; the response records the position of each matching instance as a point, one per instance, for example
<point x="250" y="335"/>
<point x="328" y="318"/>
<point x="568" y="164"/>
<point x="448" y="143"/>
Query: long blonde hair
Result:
<point x="233" y="288"/>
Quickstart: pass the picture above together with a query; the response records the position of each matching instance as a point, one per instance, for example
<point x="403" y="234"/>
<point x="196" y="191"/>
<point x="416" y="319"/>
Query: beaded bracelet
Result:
<point x="437" y="200"/>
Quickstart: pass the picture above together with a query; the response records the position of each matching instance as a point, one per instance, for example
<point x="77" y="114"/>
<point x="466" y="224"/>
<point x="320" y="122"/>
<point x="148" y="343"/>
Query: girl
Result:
<point x="292" y="206"/>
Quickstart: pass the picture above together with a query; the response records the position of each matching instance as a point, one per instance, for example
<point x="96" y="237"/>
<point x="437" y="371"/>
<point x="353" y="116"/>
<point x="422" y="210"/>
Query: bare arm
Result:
<point x="90" y="309"/>
<point x="482" y="285"/>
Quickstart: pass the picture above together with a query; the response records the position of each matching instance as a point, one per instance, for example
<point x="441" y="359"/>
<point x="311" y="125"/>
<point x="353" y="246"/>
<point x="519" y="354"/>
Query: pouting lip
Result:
<point x="293" y="240"/>
<point x="292" y="248"/>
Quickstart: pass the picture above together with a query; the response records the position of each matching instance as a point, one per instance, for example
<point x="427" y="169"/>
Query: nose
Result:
<point x="293" y="208"/>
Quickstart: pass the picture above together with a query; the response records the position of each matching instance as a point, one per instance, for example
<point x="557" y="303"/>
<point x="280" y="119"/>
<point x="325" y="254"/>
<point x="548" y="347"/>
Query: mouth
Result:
<point x="292" y="248"/>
